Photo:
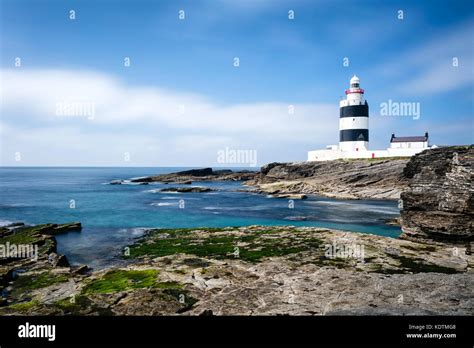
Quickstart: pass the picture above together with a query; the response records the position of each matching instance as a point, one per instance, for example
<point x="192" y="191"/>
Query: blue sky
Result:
<point x="187" y="65"/>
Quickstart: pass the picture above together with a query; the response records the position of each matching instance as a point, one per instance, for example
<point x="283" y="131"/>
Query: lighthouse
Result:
<point x="354" y="119"/>
<point x="354" y="133"/>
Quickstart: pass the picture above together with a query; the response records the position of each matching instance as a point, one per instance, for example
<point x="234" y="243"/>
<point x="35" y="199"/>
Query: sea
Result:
<point x="113" y="216"/>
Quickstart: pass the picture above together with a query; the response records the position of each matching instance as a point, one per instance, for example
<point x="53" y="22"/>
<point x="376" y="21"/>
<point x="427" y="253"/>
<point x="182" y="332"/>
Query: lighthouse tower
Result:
<point x="354" y="119"/>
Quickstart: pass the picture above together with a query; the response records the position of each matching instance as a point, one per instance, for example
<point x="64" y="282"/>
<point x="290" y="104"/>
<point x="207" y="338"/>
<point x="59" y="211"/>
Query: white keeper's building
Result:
<point x="354" y="133"/>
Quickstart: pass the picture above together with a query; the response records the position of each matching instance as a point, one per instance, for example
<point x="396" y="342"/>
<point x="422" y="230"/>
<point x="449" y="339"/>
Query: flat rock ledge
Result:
<point x="256" y="270"/>
<point x="203" y="174"/>
<point x="343" y="179"/>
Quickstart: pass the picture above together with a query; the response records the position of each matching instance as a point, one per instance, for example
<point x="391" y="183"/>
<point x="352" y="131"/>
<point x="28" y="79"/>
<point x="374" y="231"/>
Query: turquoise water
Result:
<point x="113" y="215"/>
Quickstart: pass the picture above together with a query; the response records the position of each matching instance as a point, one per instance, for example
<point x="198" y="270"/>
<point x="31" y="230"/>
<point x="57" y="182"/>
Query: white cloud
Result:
<point x="439" y="78"/>
<point x="428" y="68"/>
<point x="146" y="121"/>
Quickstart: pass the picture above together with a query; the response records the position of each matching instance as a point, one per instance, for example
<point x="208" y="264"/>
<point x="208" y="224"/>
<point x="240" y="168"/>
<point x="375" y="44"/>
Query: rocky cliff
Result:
<point x="346" y="179"/>
<point x="438" y="202"/>
<point x="435" y="186"/>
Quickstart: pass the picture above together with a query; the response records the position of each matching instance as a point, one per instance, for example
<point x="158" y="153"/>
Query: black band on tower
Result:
<point x="354" y="111"/>
<point x="354" y="135"/>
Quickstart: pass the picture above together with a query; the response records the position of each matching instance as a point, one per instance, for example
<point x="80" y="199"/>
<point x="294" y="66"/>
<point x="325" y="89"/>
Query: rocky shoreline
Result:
<point x="434" y="188"/>
<point x="275" y="270"/>
<point x="255" y="270"/>
<point x="343" y="179"/>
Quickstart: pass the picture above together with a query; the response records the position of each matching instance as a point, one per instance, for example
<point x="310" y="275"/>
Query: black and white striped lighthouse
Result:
<point x="354" y="119"/>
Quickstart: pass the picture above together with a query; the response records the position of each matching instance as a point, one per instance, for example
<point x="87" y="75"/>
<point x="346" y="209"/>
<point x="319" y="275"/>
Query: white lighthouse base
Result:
<point x="334" y="153"/>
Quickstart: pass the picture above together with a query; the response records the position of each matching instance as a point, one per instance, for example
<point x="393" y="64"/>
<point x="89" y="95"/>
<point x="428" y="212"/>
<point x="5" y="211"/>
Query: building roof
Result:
<point x="412" y="139"/>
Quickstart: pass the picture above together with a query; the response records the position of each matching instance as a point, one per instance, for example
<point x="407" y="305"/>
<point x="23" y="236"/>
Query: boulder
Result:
<point x="58" y="260"/>
<point x="82" y="270"/>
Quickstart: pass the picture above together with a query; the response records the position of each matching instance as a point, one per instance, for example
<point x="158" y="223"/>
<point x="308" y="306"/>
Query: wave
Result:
<point x="354" y="206"/>
<point x="15" y="205"/>
<point x="177" y="199"/>
<point x="296" y="218"/>
<point x="135" y="231"/>
<point x="166" y="192"/>
<point x="164" y="204"/>
<point x="246" y="208"/>
<point x="5" y="222"/>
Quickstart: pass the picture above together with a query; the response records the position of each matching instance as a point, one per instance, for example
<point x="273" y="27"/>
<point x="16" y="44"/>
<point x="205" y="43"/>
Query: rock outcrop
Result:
<point x="256" y="270"/>
<point x="29" y="260"/>
<point x="438" y="204"/>
<point x="204" y="174"/>
<point x="346" y="179"/>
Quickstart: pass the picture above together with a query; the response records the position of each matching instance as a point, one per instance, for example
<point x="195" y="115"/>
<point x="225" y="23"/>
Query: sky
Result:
<point x="70" y="98"/>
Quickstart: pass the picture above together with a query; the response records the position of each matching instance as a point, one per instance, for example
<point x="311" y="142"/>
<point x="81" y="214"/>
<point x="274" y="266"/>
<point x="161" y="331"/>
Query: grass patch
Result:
<point x="121" y="280"/>
<point x="80" y="305"/>
<point x="252" y="246"/>
<point x="38" y="281"/>
<point x="24" y="236"/>
<point x="31" y="236"/>
<point x="256" y="255"/>
<point x="23" y="306"/>
<point x="170" y="246"/>
<point x="69" y="305"/>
